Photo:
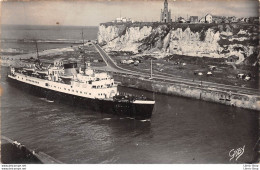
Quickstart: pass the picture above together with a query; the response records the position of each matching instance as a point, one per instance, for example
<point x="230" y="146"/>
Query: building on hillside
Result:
<point x="246" y="19"/>
<point x="254" y="20"/>
<point x="217" y="19"/>
<point x="122" y="20"/>
<point x="165" y="13"/>
<point x="181" y="20"/>
<point x="208" y="18"/>
<point x="194" y="19"/>
<point x="226" y="21"/>
<point x="202" y="20"/>
<point x="233" y="19"/>
<point x="243" y="20"/>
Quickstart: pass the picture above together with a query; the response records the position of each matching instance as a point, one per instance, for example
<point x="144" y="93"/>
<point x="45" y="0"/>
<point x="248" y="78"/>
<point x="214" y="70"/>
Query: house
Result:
<point x="194" y="19"/>
<point x="226" y="21"/>
<point x="233" y="19"/>
<point x="232" y="59"/>
<point x="202" y="20"/>
<point x="254" y="20"/>
<point x="118" y="20"/>
<point x="122" y="19"/>
<point x="217" y="19"/>
<point x="208" y="18"/>
<point x="243" y="20"/>
<point x="181" y="20"/>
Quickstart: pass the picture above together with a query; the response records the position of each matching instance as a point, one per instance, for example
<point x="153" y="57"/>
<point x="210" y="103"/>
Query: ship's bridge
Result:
<point x="85" y="78"/>
<point x="102" y="76"/>
<point x="56" y="71"/>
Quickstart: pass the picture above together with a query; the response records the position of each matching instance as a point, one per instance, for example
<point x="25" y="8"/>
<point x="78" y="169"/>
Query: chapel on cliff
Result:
<point x="165" y="13"/>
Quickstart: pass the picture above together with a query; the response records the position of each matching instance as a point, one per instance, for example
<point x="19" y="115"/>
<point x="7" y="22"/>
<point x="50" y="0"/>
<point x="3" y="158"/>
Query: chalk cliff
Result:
<point x="202" y="40"/>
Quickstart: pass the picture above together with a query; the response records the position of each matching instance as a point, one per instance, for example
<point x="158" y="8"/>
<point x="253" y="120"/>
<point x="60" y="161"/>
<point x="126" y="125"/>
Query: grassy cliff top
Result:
<point x="195" y="27"/>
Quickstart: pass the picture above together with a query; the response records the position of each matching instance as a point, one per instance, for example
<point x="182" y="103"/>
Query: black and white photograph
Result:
<point x="130" y="82"/>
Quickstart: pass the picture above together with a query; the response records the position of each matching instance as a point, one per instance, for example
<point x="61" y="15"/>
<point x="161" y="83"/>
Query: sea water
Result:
<point x="181" y="130"/>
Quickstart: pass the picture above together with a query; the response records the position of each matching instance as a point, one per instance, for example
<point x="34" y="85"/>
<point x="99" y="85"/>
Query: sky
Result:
<point x="92" y="13"/>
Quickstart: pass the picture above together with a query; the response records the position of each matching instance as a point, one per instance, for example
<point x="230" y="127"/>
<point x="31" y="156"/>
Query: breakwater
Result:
<point x="13" y="152"/>
<point x="197" y="92"/>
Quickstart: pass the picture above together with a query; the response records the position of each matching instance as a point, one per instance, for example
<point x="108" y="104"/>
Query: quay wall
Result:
<point x="197" y="92"/>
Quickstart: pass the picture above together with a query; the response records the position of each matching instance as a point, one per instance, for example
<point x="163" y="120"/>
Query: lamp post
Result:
<point x="151" y="68"/>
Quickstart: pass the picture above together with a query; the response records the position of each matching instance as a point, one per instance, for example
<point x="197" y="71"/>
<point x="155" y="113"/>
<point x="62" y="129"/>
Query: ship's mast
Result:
<point x="84" y="62"/>
<point x="37" y="52"/>
<point x="82" y="36"/>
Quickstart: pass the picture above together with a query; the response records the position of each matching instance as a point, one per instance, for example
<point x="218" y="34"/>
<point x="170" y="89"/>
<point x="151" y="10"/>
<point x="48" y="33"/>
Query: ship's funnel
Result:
<point x="70" y="69"/>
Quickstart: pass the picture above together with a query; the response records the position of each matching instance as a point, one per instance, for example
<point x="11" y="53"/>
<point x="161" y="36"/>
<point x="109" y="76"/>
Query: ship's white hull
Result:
<point x="137" y="109"/>
<point x="65" y="88"/>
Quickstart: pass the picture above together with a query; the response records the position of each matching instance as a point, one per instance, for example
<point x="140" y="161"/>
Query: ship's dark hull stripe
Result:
<point x="126" y="109"/>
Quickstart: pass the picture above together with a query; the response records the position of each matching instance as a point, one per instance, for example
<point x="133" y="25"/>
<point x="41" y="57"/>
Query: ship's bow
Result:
<point x="142" y="109"/>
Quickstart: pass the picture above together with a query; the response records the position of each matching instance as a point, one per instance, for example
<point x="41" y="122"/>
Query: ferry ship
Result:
<point x="81" y="86"/>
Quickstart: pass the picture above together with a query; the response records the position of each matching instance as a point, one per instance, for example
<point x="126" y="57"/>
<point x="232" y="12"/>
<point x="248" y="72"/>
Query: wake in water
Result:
<point x="145" y="120"/>
<point x="107" y="119"/>
<point x="129" y="118"/>
<point x="46" y="100"/>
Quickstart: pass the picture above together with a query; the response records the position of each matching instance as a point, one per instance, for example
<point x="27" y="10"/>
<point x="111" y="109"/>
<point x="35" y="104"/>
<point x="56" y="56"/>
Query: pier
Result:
<point x="13" y="152"/>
